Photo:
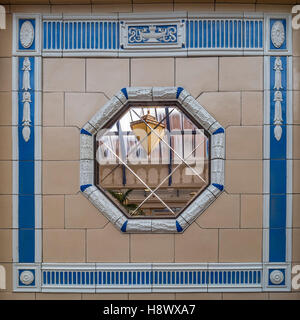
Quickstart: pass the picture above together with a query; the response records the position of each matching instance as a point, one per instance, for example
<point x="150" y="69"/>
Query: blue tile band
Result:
<point x="83" y="131"/>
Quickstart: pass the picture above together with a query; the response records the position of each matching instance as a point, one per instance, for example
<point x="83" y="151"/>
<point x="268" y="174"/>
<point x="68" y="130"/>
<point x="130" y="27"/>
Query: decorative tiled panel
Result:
<point x="93" y="35"/>
<point x="224" y="34"/>
<point x="151" y="277"/>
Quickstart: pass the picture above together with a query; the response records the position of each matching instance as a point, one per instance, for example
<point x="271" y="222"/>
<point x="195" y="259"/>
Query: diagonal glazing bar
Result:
<point x="137" y="145"/>
<point x="166" y="178"/>
<point x="139" y="178"/>
<point x="152" y="131"/>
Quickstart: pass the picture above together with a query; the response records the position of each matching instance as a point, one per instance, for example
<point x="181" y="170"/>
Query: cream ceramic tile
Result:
<point x="296" y="210"/>
<point x="244" y="142"/>
<point x="296" y="73"/>
<point x="80" y="213"/>
<point x="152" y="72"/>
<point x="107" y="8"/>
<point x="5" y="74"/>
<point x="107" y="245"/>
<point x="223" y="213"/>
<point x="223" y="106"/>
<point x="80" y="107"/>
<point x="151" y="248"/>
<point x="6" y="38"/>
<point x="245" y="296"/>
<point x="296" y="42"/>
<point x="151" y="296"/>
<point x="193" y="6"/>
<point x="6" y="175"/>
<point x="61" y="245"/>
<point x="5" y="245"/>
<point x="199" y="296"/>
<point x="296" y="176"/>
<point x="233" y="7"/>
<point x="296" y="141"/>
<point x="252" y="108"/>
<point x="53" y="109"/>
<point x="240" y="73"/>
<point x="240" y="245"/>
<point x="44" y="8"/>
<point x="5" y="211"/>
<point x="243" y="176"/>
<point x="53" y="212"/>
<point x="107" y="75"/>
<point x="202" y="244"/>
<point x="71" y="9"/>
<point x="296" y="244"/>
<point x="105" y="296"/>
<point x="5" y="143"/>
<point x="5" y="108"/>
<point x="57" y="296"/>
<point x="60" y="177"/>
<point x="61" y="143"/>
<point x="197" y="74"/>
<point x="251" y="211"/>
<point x="150" y="7"/>
<point x="66" y="74"/>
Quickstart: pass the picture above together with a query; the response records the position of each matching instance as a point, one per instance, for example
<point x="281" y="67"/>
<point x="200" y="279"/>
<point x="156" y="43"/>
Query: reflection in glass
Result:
<point x="152" y="161"/>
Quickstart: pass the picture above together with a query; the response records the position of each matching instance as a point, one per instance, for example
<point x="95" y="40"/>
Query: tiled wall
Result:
<point x="230" y="88"/>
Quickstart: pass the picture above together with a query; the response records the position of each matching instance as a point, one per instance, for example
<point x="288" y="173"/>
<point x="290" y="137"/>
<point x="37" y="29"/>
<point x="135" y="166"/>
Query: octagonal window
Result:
<point x="153" y="160"/>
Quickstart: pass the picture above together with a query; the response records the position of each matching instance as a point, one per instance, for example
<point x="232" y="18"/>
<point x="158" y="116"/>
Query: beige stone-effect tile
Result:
<point x="296" y="210"/>
<point x="296" y="245"/>
<point x="282" y="8"/>
<point x="5" y="74"/>
<point x="240" y="245"/>
<point x="223" y="213"/>
<point x="296" y="141"/>
<point x="243" y="176"/>
<point x="53" y="212"/>
<point x="53" y="109"/>
<point x="296" y="109"/>
<point x="296" y="42"/>
<point x="223" y="106"/>
<point x="6" y="175"/>
<point x="63" y="74"/>
<point x="193" y="6"/>
<point x="251" y="211"/>
<point x="108" y="8"/>
<point x="252" y="108"/>
<point x="5" y="108"/>
<point x="245" y="296"/>
<point x="199" y="296"/>
<point x="5" y="211"/>
<point x="244" y="142"/>
<point x="296" y="73"/>
<point x="58" y="296"/>
<point x="5" y="245"/>
<point x="61" y="143"/>
<point x="80" y="213"/>
<point x="6" y="38"/>
<point x="151" y="296"/>
<point x="196" y="245"/>
<point x="197" y="74"/>
<point x="152" y="72"/>
<point x="61" y="245"/>
<point x="107" y="245"/>
<point x="296" y="176"/>
<point x="152" y="248"/>
<point x="17" y="295"/>
<point x="240" y="73"/>
<point x="233" y="7"/>
<point x="5" y="143"/>
<point x="150" y="7"/>
<point x="105" y="296"/>
<point x="43" y="8"/>
<point x="80" y="107"/>
<point x="71" y="9"/>
<point x="107" y="75"/>
<point x="284" y="296"/>
<point x="60" y="177"/>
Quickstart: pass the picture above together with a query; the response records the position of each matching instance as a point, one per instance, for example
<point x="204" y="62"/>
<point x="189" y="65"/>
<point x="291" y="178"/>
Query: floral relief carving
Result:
<point x="26" y="34"/>
<point x="277" y="34"/>
<point x="278" y="99"/>
<point x="26" y="99"/>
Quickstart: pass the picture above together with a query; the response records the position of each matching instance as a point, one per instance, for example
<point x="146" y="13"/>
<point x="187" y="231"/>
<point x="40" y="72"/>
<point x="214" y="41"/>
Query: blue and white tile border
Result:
<point x="176" y="34"/>
<point x="96" y="126"/>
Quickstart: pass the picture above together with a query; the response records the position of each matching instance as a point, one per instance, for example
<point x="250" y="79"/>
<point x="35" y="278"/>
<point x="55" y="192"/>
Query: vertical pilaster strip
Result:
<point x="277" y="151"/>
<point x="27" y="152"/>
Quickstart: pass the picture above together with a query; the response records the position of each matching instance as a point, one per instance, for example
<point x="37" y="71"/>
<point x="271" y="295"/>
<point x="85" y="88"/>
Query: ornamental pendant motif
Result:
<point x="26" y="34"/>
<point x="277" y="34"/>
